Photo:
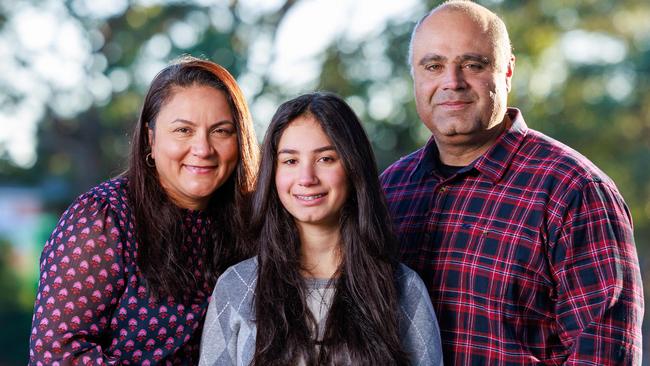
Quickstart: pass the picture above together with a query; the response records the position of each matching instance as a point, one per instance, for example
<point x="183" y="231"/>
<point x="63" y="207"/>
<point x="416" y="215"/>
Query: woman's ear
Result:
<point x="150" y="136"/>
<point x="150" y="158"/>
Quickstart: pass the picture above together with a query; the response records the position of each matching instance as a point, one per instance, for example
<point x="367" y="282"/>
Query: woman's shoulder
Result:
<point x="112" y="191"/>
<point x="100" y="214"/>
<point x="108" y="194"/>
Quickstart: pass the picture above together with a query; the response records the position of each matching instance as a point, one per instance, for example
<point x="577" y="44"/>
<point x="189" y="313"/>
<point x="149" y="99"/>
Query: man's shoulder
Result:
<point x="402" y="168"/>
<point x="546" y="154"/>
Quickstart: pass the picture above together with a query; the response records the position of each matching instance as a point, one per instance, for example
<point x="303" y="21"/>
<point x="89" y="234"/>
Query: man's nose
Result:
<point x="454" y="78"/>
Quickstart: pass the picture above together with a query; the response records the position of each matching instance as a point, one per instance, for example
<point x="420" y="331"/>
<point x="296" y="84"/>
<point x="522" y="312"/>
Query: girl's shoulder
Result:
<point x="238" y="279"/>
<point x="408" y="281"/>
<point x="404" y="273"/>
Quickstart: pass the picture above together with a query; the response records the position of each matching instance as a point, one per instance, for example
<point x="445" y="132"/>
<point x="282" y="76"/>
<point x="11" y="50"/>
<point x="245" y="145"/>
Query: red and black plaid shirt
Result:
<point x="528" y="253"/>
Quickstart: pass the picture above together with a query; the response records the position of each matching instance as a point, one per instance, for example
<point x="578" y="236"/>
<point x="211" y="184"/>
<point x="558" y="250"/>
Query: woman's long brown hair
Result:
<point x="158" y="221"/>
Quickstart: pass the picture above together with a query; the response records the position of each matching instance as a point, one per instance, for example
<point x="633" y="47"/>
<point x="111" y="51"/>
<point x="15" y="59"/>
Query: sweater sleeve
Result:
<point x="82" y="277"/>
<point x="222" y="325"/>
<point x="418" y="324"/>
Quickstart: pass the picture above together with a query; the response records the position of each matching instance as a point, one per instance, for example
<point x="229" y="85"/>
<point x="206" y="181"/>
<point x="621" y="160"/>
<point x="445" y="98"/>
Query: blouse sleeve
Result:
<point x="82" y="277"/>
<point x="220" y="332"/>
<point x="418" y="323"/>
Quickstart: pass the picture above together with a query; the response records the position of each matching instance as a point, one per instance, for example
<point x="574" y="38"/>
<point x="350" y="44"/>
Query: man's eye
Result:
<point x="474" y="66"/>
<point x="434" y="67"/>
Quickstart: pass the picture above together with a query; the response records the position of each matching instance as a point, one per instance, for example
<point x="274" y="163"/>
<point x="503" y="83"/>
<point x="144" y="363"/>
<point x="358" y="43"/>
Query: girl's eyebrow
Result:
<point x="317" y="150"/>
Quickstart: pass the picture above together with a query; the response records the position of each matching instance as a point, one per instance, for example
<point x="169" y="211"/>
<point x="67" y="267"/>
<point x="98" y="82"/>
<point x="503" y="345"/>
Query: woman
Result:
<point x="127" y="272"/>
<point x="327" y="287"/>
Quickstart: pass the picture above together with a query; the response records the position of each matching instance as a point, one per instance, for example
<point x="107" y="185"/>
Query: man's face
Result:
<point x="461" y="80"/>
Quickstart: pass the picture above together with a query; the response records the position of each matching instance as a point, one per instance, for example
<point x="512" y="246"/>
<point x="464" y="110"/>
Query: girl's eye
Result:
<point x="289" y="161"/>
<point x="326" y="159"/>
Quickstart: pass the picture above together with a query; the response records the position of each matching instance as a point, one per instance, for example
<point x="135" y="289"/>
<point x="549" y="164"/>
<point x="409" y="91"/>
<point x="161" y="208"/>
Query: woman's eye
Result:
<point x="223" y="131"/>
<point x="182" y="130"/>
<point x="326" y="159"/>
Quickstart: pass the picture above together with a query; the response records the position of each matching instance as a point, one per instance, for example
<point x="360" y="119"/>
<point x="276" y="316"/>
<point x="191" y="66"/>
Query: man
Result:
<point x="526" y="247"/>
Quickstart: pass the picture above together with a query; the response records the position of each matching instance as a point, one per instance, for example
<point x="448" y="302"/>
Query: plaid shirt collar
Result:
<point x="492" y="164"/>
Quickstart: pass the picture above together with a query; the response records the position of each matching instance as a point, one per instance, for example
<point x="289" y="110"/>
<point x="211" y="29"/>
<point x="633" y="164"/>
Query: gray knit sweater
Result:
<point x="229" y="330"/>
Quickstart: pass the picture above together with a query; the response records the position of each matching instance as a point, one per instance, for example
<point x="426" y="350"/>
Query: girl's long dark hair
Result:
<point x="159" y="225"/>
<point x="362" y="322"/>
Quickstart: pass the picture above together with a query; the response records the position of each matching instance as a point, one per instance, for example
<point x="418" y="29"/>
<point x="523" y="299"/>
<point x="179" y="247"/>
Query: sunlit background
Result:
<point x="73" y="74"/>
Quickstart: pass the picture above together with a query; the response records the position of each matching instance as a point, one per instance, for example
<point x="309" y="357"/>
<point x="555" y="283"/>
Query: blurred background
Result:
<point x="73" y="74"/>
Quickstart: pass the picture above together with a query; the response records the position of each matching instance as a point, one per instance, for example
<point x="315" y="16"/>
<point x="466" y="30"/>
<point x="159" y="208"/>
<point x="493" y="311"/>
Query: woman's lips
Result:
<point x="197" y="169"/>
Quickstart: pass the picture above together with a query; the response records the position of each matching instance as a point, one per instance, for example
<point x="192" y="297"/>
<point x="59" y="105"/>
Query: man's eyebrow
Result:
<point x="431" y="57"/>
<point x="475" y="57"/>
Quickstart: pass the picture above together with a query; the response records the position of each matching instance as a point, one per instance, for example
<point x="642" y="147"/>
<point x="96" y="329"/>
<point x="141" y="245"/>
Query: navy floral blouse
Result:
<point x="92" y="306"/>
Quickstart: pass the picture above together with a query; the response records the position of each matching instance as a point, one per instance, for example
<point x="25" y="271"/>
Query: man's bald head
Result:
<point x="490" y="22"/>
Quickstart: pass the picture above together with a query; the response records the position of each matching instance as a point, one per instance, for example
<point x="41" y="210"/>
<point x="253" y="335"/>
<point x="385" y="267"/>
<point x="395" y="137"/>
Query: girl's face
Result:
<point x="310" y="178"/>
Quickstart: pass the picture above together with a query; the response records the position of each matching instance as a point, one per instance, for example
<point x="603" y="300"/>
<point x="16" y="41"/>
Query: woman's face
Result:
<point x="194" y="144"/>
<point x="310" y="178"/>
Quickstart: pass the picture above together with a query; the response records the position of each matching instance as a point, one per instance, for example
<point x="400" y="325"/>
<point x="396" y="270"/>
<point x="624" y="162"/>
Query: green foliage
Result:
<point x="14" y="316"/>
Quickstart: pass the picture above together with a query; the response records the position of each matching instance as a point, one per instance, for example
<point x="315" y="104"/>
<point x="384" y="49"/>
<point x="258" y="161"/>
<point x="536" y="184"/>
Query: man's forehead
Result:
<point x="450" y="46"/>
<point x="456" y="31"/>
<point x="445" y="20"/>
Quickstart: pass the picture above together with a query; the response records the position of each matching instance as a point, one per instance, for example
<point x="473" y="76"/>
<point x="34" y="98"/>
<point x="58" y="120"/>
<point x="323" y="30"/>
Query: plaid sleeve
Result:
<point x="599" y="305"/>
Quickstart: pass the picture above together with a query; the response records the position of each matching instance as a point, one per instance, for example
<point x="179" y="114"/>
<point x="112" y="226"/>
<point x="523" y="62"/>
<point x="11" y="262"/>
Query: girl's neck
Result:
<point x="320" y="249"/>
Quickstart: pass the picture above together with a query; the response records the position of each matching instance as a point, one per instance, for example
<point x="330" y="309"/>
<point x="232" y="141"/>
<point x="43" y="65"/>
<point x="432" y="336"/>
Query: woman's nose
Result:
<point x="201" y="145"/>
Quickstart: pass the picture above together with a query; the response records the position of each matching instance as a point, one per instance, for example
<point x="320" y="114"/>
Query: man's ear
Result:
<point x="510" y="70"/>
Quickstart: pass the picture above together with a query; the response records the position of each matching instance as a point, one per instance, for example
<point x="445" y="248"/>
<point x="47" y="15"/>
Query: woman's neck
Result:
<point x="320" y="250"/>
